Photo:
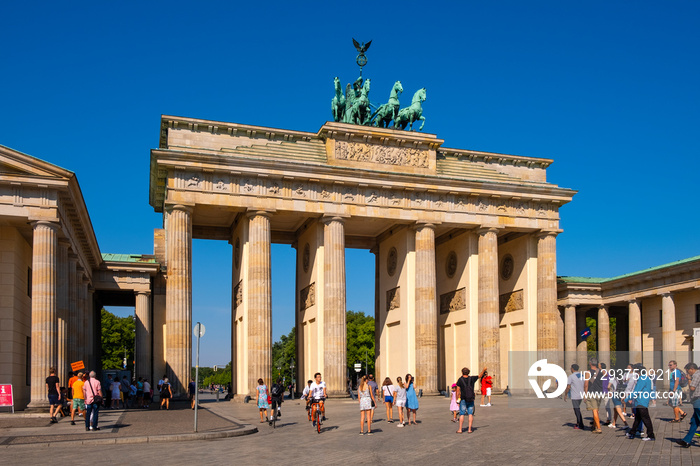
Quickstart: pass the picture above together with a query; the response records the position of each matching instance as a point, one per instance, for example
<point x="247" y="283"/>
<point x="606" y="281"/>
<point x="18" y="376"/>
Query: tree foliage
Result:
<point x="118" y="334"/>
<point x="283" y="352"/>
<point x="360" y="341"/>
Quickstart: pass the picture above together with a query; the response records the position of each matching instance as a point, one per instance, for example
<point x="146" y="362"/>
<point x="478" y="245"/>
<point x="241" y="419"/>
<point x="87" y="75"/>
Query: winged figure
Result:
<point x="361" y="48"/>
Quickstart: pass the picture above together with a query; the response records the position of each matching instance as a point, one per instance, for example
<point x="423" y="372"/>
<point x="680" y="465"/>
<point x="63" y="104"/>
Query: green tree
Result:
<point x="360" y="340"/>
<point x="222" y="376"/>
<point x="283" y="352"/>
<point x="118" y="334"/>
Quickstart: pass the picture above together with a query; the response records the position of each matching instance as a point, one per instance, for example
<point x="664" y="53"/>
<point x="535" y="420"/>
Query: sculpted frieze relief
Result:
<point x="453" y="301"/>
<point x="386" y="155"/>
<point x="393" y="299"/>
<point x="371" y="196"/>
<point x="238" y="293"/>
<point x="307" y="297"/>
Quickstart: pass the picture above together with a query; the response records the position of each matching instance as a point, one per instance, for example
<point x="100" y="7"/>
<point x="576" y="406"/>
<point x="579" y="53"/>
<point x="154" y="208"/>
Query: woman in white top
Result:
<point x="389" y="393"/>
<point x="400" y="399"/>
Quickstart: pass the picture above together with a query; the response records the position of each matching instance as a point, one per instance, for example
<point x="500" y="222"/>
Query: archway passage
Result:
<point x="398" y="194"/>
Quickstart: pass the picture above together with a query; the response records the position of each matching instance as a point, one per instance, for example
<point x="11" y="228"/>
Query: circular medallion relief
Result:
<point x="507" y="267"/>
<point x="391" y="262"/>
<point x="306" y="258"/>
<point x="451" y="264"/>
<point x="237" y="253"/>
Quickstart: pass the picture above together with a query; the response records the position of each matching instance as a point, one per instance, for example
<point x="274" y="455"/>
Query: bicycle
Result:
<point x="274" y="412"/>
<point x="316" y="414"/>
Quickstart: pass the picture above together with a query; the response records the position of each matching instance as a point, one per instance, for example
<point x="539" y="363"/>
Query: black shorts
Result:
<point x="316" y="400"/>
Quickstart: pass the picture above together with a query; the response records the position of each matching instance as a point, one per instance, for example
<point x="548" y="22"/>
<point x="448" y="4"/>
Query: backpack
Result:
<point x="684" y="379"/>
<point x="466" y="389"/>
<point x="276" y="390"/>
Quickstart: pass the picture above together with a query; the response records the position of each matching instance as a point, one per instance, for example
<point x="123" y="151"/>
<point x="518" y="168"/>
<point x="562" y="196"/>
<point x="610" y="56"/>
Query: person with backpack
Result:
<point x="165" y="393"/>
<point x="466" y="396"/>
<point x="276" y="397"/>
<point x="676" y="382"/>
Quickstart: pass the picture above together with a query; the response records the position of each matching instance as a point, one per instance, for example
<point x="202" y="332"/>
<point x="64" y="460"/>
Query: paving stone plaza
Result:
<point x="502" y="435"/>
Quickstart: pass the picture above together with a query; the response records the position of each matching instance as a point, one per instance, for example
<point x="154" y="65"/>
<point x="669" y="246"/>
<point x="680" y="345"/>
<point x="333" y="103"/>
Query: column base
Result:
<point x="37" y="407"/>
<point x="337" y="394"/>
<point x="431" y="393"/>
<point x="240" y="398"/>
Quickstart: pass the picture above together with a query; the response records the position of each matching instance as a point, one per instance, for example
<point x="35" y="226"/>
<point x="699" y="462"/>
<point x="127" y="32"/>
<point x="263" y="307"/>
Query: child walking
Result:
<point x="454" y="406"/>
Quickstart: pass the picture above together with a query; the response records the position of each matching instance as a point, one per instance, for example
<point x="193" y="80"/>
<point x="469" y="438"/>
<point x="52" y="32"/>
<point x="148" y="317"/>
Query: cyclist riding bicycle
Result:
<point x="317" y="392"/>
<point x="277" y="397"/>
<point x="305" y="394"/>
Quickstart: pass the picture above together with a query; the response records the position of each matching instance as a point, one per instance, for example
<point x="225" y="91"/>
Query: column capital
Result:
<point x="603" y="306"/>
<point x="420" y="224"/>
<point x="250" y="213"/>
<point x="666" y="294"/>
<point x="182" y="207"/>
<point x="632" y="301"/>
<point x="46" y="223"/>
<point x="142" y="292"/>
<point x="546" y="233"/>
<point x="567" y="306"/>
<point x="487" y="229"/>
<point x="326" y="219"/>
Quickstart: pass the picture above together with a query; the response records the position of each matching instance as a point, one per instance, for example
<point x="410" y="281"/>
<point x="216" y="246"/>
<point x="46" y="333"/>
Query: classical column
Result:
<point x="143" y="334"/>
<point x="668" y="327"/>
<point x="582" y="346"/>
<point x="334" y="329"/>
<point x="44" y="306"/>
<point x="89" y="328"/>
<point x="489" y="355"/>
<point x="426" y="310"/>
<point x="73" y="327"/>
<point x="548" y="316"/>
<point x="83" y="318"/>
<point x="570" y="335"/>
<point x="62" y="310"/>
<point x="259" y="300"/>
<point x="635" y="331"/>
<point x="603" y="335"/>
<point x="178" y="307"/>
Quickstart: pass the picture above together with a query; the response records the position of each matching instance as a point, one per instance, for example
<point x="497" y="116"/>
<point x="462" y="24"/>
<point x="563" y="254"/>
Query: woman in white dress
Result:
<point x="366" y="397"/>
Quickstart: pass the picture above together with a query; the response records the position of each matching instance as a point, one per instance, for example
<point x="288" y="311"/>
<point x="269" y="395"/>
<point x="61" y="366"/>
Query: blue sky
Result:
<point x="609" y="90"/>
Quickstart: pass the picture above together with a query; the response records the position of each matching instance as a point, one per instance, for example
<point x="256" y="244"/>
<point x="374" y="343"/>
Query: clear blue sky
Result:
<point x="609" y="90"/>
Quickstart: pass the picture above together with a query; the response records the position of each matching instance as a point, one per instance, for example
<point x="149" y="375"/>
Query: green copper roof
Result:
<point x="603" y="280"/>
<point x="135" y="258"/>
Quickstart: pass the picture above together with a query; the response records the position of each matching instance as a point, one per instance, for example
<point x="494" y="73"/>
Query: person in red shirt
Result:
<point x="486" y="385"/>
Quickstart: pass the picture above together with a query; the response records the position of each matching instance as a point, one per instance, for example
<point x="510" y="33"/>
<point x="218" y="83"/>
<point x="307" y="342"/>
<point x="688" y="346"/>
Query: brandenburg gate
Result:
<point x="464" y="244"/>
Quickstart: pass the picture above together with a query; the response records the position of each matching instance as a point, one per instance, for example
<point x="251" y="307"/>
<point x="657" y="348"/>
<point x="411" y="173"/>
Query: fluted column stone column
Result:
<point x="489" y="353"/>
<point x="582" y="346"/>
<point x="62" y="311"/>
<point x="73" y="326"/>
<point x="143" y="334"/>
<point x="603" y="335"/>
<point x="178" y="308"/>
<point x="334" y="328"/>
<point x="548" y="317"/>
<point x="426" y="310"/>
<point x="635" y="331"/>
<point x="668" y="327"/>
<point x="44" y="307"/>
<point x="83" y="318"/>
<point x="259" y="300"/>
<point x="570" y="335"/>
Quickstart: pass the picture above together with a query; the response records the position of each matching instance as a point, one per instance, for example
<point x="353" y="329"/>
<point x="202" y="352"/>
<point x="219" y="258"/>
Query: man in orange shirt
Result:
<point x="78" y="398"/>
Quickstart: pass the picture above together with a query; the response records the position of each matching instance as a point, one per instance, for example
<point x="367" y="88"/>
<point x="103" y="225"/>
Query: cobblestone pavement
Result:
<point x="502" y="435"/>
